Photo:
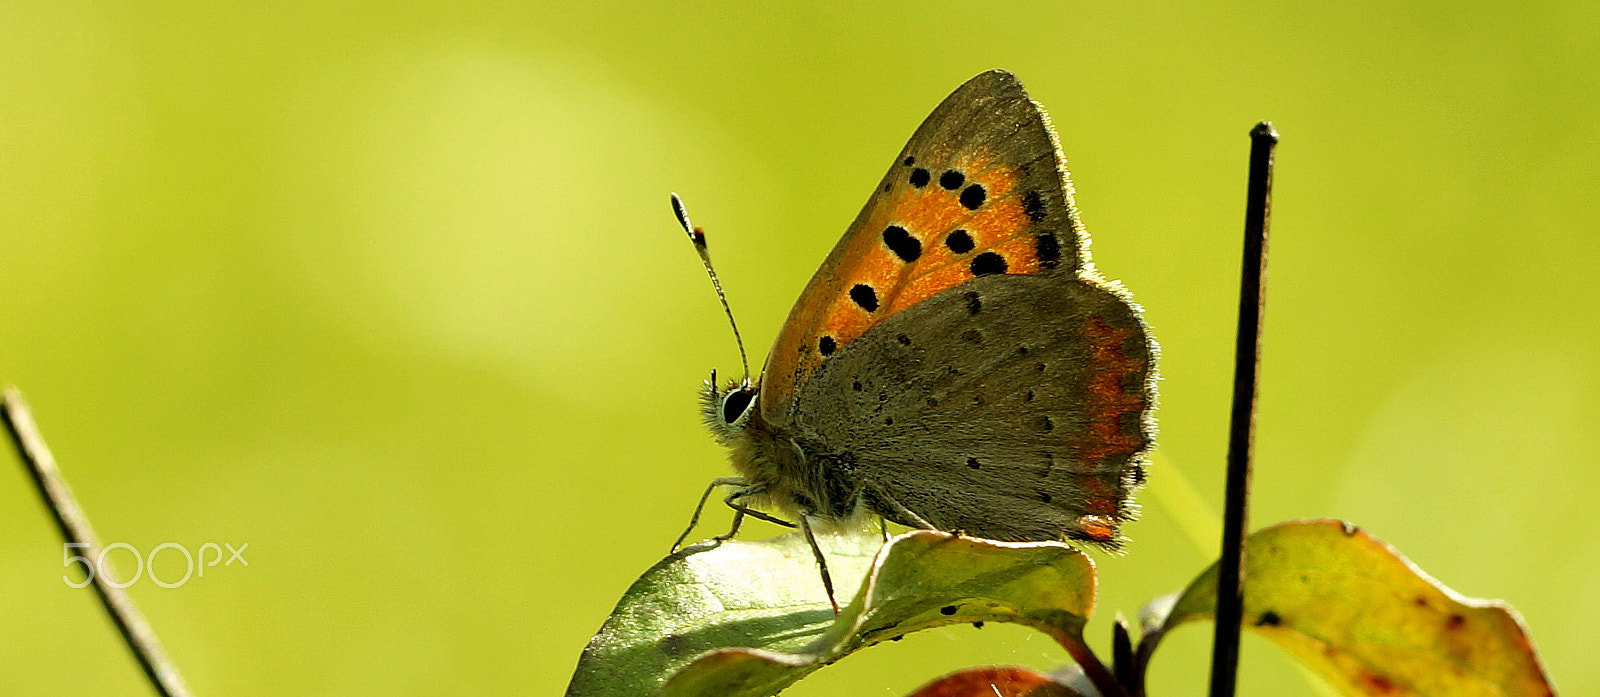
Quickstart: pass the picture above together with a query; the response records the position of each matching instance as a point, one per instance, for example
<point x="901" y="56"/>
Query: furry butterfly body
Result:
<point x="956" y="363"/>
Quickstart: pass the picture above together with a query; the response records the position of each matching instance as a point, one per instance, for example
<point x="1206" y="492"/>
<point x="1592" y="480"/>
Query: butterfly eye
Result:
<point x="737" y="403"/>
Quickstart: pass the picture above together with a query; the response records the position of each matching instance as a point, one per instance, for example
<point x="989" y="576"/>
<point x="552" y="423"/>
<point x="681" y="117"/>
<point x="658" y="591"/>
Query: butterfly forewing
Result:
<point x="981" y="189"/>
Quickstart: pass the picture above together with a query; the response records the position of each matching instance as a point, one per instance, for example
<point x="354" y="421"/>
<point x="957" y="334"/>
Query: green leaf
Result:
<point x="1365" y="618"/>
<point x="750" y="618"/>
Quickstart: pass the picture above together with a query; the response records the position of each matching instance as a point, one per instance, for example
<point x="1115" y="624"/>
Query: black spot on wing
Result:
<point x="920" y="177"/>
<point x="952" y="180"/>
<point x="973" y="196"/>
<point x="865" y="297"/>
<point x="1033" y="205"/>
<point x="988" y="263"/>
<point x="900" y="242"/>
<point x="1048" y="248"/>
<point x="827" y="345"/>
<point x="959" y="242"/>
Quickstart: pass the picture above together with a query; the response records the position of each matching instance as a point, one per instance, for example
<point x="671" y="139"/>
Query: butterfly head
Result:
<point x="728" y="409"/>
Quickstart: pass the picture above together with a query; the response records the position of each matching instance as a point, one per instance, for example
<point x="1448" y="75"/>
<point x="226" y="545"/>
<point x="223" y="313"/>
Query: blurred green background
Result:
<point x="391" y="292"/>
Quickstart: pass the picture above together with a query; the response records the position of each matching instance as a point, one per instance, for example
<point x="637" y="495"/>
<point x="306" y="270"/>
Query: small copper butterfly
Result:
<point x="956" y="363"/>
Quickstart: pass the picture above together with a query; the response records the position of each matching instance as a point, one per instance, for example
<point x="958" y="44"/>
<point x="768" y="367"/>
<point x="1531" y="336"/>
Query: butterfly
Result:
<point x="956" y="363"/>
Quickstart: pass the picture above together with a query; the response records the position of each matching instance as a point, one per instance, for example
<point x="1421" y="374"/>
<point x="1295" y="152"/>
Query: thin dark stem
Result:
<point x="1097" y="673"/>
<point x="1242" y="430"/>
<point x="75" y="528"/>
<point x="1122" y="657"/>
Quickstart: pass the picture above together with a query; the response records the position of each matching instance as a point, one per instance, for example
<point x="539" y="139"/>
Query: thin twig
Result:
<point x="75" y="528"/>
<point x="1095" y="671"/>
<point x="1242" y="430"/>
<point x="1122" y="657"/>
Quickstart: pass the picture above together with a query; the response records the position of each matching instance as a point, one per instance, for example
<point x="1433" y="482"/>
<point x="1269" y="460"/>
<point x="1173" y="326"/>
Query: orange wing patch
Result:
<point x="939" y="219"/>
<point x="959" y="242"/>
<point x="1108" y="403"/>
<point x="1107" y="443"/>
<point x="1097" y="528"/>
<point x="981" y="188"/>
<point x="934" y="231"/>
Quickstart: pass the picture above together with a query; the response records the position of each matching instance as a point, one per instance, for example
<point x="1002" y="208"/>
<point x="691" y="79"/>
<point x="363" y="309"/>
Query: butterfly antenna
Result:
<point x="698" y="237"/>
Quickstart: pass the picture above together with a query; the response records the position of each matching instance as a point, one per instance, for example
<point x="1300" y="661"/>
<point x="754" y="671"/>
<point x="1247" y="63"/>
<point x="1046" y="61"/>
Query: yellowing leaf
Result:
<point x="1367" y="619"/>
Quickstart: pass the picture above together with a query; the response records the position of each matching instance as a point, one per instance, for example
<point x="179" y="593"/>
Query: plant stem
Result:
<point x="1241" y="432"/>
<point x="75" y="528"/>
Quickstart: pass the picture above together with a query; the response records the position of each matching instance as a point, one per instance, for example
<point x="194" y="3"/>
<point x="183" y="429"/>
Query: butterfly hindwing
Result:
<point x="1011" y="407"/>
<point x="981" y="189"/>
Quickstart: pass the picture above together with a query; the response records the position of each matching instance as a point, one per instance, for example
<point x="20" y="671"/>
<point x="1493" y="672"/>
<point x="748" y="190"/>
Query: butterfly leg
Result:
<point x="738" y="521"/>
<point x="905" y="513"/>
<point x="822" y="562"/>
<point x="883" y="527"/>
<point x="742" y="510"/>
<point x="758" y="515"/>
<point x="695" y="519"/>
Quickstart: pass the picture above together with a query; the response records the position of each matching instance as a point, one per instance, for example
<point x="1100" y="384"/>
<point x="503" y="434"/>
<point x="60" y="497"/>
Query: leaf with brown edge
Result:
<point x="746" y="619"/>
<point x="1365" y="618"/>
<point x="996" y="681"/>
